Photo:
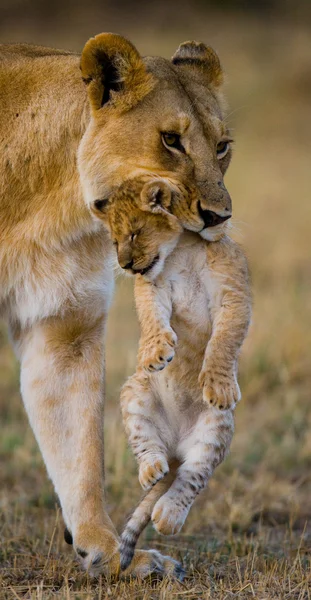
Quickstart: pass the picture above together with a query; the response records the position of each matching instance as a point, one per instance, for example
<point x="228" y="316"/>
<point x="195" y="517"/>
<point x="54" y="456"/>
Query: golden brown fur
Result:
<point x="66" y="141"/>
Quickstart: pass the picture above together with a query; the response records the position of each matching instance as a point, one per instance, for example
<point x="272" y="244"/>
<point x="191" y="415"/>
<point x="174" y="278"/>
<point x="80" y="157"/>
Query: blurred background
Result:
<point x="263" y="488"/>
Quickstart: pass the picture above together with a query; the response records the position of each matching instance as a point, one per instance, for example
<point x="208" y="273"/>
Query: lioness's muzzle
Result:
<point x="210" y="218"/>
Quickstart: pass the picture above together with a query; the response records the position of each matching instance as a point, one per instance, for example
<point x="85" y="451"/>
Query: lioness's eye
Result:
<point x="222" y="149"/>
<point x="134" y="236"/>
<point x="172" y="140"/>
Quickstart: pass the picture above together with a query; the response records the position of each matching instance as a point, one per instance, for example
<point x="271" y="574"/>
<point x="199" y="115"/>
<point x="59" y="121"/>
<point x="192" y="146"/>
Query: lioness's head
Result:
<point x="158" y="117"/>
<point x="140" y="225"/>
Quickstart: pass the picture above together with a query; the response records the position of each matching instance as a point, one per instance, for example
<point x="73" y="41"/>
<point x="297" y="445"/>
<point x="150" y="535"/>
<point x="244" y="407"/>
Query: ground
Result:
<point x="249" y="534"/>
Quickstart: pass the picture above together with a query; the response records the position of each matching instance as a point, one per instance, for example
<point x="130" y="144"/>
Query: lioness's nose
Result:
<point x="211" y="218"/>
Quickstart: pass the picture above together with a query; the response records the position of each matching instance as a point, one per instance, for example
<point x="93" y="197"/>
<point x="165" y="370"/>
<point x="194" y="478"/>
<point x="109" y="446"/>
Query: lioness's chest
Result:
<point x="45" y="283"/>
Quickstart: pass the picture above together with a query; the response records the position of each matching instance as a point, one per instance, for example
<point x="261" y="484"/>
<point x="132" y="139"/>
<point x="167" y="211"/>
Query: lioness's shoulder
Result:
<point x="20" y="62"/>
<point x="28" y="72"/>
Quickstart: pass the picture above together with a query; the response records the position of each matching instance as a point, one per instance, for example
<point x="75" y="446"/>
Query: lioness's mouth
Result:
<point x="149" y="267"/>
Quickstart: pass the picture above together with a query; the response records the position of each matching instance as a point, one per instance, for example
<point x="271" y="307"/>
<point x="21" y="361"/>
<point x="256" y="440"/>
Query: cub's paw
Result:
<point x="152" y="470"/>
<point x="148" y="563"/>
<point x="158" y="351"/>
<point x="168" y="516"/>
<point x="220" y="390"/>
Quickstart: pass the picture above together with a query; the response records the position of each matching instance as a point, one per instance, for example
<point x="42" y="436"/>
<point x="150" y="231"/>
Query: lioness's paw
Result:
<point x="99" y="552"/>
<point x="157" y="352"/>
<point x="152" y="470"/>
<point x="168" y="516"/>
<point x="222" y="390"/>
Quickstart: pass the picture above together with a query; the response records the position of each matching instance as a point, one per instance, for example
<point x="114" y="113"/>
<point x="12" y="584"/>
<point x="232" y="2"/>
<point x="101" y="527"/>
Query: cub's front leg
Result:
<point x="219" y="382"/>
<point x="158" y="339"/>
<point x="157" y="351"/>
<point x="229" y="290"/>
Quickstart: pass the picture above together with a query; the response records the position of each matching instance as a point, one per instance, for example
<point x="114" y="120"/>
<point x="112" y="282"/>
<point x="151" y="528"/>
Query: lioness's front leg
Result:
<point x="62" y="374"/>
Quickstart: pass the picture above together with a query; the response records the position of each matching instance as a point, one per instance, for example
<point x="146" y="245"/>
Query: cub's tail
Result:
<point x="141" y="516"/>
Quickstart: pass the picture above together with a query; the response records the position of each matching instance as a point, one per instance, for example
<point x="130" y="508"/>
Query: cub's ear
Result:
<point x="156" y="197"/>
<point x="113" y="70"/>
<point x="100" y="207"/>
<point x="202" y="59"/>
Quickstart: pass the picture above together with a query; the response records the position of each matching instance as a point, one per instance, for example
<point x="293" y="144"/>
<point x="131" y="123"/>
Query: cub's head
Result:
<point x="151" y="116"/>
<point x="140" y="225"/>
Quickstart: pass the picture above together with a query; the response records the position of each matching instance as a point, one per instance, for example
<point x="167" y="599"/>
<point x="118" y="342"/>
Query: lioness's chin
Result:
<point x="213" y="234"/>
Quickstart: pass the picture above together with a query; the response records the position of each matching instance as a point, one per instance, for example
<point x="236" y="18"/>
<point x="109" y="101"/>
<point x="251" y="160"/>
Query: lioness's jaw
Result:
<point x="143" y="124"/>
<point x="113" y="71"/>
<point x="214" y="234"/>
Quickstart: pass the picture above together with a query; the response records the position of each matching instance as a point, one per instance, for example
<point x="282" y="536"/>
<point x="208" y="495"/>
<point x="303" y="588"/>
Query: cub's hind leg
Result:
<point x="142" y="515"/>
<point x="202" y="451"/>
<point x="146" y="429"/>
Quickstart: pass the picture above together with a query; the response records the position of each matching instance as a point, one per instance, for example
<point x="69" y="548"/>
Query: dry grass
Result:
<point x="249" y="535"/>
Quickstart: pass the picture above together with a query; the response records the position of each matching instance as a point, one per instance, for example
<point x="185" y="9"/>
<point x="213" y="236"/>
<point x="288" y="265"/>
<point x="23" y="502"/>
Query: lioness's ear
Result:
<point x="112" y="68"/>
<point x="156" y="196"/>
<point x="202" y="59"/>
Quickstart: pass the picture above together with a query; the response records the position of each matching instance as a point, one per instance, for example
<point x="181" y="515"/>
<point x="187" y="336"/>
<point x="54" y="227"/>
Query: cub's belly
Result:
<point x="178" y="391"/>
<point x="177" y="387"/>
<point x="177" y="409"/>
<point x="190" y="302"/>
<point x="193" y="328"/>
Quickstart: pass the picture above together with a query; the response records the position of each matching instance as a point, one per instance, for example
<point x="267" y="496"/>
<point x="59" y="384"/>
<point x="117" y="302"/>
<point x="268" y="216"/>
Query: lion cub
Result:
<point x="193" y="303"/>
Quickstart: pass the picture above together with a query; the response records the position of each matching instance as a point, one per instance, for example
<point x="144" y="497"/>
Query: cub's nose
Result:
<point x="128" y="265"/>
<point x="210" y="218"/>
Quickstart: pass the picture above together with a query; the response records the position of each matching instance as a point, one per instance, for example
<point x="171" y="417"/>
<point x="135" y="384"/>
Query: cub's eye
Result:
<point x="222" y="149"/>
<point x="172" y="140"/>
<point x="115" y="243"/>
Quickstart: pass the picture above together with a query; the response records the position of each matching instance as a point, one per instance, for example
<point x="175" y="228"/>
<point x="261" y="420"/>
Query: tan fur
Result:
<point x="193" y="304"/>
<point x="68" y="139"/>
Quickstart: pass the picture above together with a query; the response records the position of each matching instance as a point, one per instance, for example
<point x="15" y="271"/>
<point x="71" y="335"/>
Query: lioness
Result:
<point x="193" y="303"/>
<point x="72" y="128"/>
